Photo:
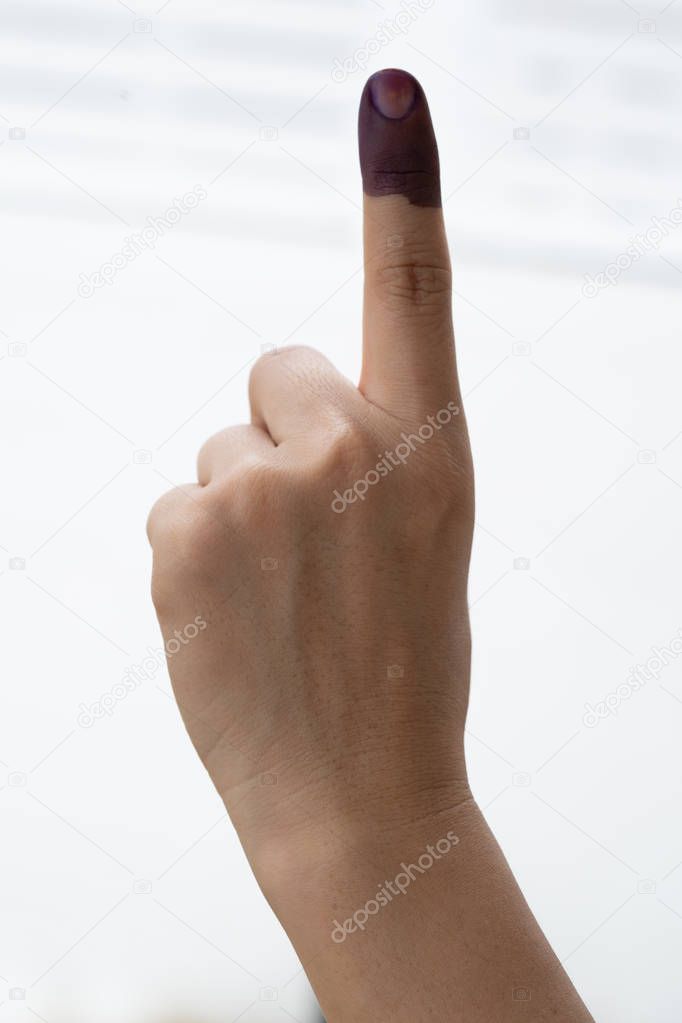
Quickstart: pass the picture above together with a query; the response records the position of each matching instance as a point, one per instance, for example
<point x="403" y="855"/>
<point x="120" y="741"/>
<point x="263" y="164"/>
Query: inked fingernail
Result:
<point x="398" y="151"/>
<point x="393" y="93"/>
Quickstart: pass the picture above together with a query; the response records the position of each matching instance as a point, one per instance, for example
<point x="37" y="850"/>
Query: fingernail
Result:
<point x="393" y="93"/>
<point x="398" y="151"/>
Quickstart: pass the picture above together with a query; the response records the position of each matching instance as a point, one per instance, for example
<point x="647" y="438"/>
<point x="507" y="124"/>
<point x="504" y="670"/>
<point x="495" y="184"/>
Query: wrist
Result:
<point x="321" y="875"/>
<point x="408" y="925"/>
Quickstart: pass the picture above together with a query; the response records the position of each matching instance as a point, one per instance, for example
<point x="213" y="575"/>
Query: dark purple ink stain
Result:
<point x="398" y="150"/>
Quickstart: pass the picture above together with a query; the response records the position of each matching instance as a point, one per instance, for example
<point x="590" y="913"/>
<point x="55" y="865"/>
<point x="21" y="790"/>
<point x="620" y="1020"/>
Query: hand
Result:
<point x="311" y="588"/>
<point x="326" y="547"/>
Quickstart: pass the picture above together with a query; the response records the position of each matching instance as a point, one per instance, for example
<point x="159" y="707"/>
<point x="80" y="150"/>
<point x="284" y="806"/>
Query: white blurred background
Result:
<point x="124" y="892"/>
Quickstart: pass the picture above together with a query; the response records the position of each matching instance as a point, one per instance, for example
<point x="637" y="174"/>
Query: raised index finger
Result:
<point x="408" y="354"/>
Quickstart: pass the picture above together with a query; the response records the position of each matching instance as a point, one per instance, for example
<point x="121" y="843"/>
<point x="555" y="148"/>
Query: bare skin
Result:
<point x="326" y="689"/>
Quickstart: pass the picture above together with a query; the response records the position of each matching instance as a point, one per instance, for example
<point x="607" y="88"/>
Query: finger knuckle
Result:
<point x="208" y="448"/>
<point x="183" y="536"/>
<point x="279" y="360"/>
<point x="221" y="443"/>
<point x="348" y="446"/>
<point x="190" y="531"/>
<point x="251" y="493"/>
<point x="160" y="517"/>
<point x="414" y="284"/>
<point x="163" y="592"/>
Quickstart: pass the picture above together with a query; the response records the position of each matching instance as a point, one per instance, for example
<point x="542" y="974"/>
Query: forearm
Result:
<point x="401" y="927"/>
